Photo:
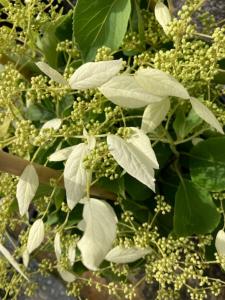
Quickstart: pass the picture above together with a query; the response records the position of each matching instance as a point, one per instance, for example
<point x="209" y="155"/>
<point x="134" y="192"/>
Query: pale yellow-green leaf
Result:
<point x="51" y="73"/>
<point x="75" y="175"/>
<point x="66" y="275"/>
<point x="160" y="83"/>
<point x="162" y="15"/>
<point x="203" y="112"/>
<point x="94" y="74"/>
<point x="99" y="234"/>
<point x="26" y="188"/>
<point x="154" y="114"/>
<point x="53" y="123"/>
<point x="4" y="127"/>
<point x="81" y="225"/>
<point x="5" y="252"/>
<point x="57" y="246"/>
<point x="220" y="242"/>
<point x="123" y="90"/>
<point x="26" y="258"/>
<point x="62" y="154"/>
<point x="135" y="156"/>
<point x="71" y="254"/>
<point x="36" y="235"/>
<point x="121" y="255"/>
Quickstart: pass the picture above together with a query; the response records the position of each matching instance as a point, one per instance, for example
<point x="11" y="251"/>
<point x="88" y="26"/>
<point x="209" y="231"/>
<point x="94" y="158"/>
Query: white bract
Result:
<point x="135" y="156"/>
<point x="35" y="236"/>
<point x="75" y="175"/>
<point x="160" y="83"/>
<point x="26" y="188"/>
<point x="57" y="246"/>
<point x="66" y="275"/>
<point x="54" y="124"/>
<point x="121" y="255"/>
<point x="5" y="252"/>
<point x="99" y="234"/>
<point x="123" y="90"/>
<point x="62" y="154"/>
<point x="51" y="73"/>
<point x="220" y="242"/>
<point x="162" y="15"/>
<point x="203" y="112"/>
<point x="154" y="114"/>
<point x="94" y="74"/>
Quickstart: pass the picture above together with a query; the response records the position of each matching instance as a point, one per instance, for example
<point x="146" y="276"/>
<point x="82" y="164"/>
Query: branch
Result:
<point x="15" y="165"/>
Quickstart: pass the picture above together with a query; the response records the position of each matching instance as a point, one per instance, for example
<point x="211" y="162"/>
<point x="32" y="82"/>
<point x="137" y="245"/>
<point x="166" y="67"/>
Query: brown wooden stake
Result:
<point x="15" y="165"/>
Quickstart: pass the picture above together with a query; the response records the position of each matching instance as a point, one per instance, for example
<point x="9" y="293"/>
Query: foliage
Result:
<point x="125" y="100"/>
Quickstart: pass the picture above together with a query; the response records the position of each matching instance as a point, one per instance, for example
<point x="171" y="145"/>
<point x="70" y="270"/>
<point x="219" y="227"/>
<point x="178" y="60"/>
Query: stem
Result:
<point x="15" y="165"/>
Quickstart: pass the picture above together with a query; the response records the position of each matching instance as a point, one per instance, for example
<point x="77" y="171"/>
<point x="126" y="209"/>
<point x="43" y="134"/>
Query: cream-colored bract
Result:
<point x="51" y="73"/>
<point x="132" y="158"/>
<point x="203" y="112"/>
<point x="66" y="275"/>
<point x="162" y="15"/>
<point x="99" y="234"/>
<point x="154" y="114"/>
<point x="94" y="74"/>
<point x="160" y="83"/>
<point x="75" y="175"/>
<point x="62" y="154"/>
<point x="26" y="188"/>
<point x="5" y="252"/>
<point x="220" y="242"/>
<point x="123" y="90"/>
<point x="57" y="246"/>
<point x="36" y="235"/>
<point x="121" y="255"/>
<point x="53" y="123"/>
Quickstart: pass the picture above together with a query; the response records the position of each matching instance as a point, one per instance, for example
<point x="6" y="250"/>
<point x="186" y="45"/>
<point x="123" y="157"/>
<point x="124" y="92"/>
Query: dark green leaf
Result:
<point x="163" y="154"/>
<point x="53" y="218"/>
<point x="115" y="186"/>
<point x="140" y="212"/>
<point x="140" y="25"/>
<point x="195" y="212"/>
<point x="136" y="190"/>
<point x="207" y="164"/>
<point x="65" y="104"/>
<point x="54" y="32"/>
<point x="100" y="23"/>
<point x="183" y="125"/>
<point x="38" y="113"/>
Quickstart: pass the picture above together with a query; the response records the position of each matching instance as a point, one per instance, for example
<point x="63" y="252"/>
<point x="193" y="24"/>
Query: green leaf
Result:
<point x="100" y="23"/>
<point x="183" y="125"/>
<point x="140" y="212"/>
<point x="37" y="113"/>
<point x="53" y="32"/>
<point x="207" y="164"/>
<point x="115" y="186"/>
<point x="195" y="212"/>
<point x="136" y="190"/>
<point x="141" y="30"/>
